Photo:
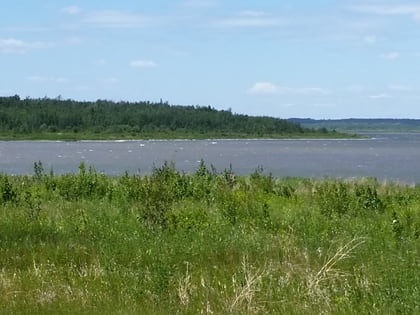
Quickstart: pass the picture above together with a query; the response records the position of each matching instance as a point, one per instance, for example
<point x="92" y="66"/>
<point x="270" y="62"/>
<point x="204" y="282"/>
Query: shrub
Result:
<point x="7" y="190"/>
<point x="367" y="198"/>
<point x="332" y="197"/>
<point x="158" y="192"/>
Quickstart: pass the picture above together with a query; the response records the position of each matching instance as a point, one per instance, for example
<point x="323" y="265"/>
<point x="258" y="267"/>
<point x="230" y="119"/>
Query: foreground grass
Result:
<point x="207" y="242"/>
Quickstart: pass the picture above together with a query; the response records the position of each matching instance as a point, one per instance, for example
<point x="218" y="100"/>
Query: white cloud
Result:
<point x="379" y="96"/>
<point x="117" y="19"/>
<point x="271" y="88"/>
<point x="251" y="18"/>
<point x="143" y="64"/>
<point x="49" y="79"/>
<point x="383" y="9"/>
<point x="250" y="22"/>
<point x="263" y="88"/>
<point x="18" y="47"/>
<point x="391" y="55"/>
<point x="72" y="10"/>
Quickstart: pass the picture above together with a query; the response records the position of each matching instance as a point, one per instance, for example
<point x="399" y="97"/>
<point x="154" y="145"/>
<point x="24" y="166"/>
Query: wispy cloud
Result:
<point x="379" y="96"/>
<point x="391" y="55"/>
<point x="143" y="64"/>
<point x="117" y="19"/>
<point x="263" y="88"/>
<point x="389" y="9"/>
<point x="18" y="47"/>
<point x="251" y="19"/>
<point x="46" y="79"/>
<point x="72" y="10"/>
<point x="271" y="88"/>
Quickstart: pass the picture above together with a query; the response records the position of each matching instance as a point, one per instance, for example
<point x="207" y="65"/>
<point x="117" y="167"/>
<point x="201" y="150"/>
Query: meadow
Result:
<point x="209" y="242"/>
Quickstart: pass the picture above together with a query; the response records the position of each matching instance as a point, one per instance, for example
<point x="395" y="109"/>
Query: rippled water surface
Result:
<point x="385" y="156"/>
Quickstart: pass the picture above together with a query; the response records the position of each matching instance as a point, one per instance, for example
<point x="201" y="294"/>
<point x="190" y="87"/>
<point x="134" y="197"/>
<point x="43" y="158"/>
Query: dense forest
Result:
<point x="42" y="118"/>
<point x="362" y="124"/>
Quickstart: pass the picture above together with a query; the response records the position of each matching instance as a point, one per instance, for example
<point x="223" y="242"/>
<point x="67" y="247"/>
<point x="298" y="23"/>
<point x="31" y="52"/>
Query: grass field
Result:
<point x="206" y="243"/>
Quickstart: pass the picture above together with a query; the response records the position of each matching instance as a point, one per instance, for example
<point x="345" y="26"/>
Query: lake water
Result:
<point x="384" y="156"/>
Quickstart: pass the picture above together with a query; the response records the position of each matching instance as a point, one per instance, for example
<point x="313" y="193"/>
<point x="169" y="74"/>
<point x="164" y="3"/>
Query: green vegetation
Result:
<point x="209" y="242"/>
<point x="361" y="125"/>
<point x="57" y="119"/>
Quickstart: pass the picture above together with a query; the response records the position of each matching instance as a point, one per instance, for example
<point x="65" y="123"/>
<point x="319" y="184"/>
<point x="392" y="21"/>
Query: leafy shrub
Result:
<point x="38" y="171"/>
<point x="265" y="183"/>
<point x="367" y="198"/>
<point x="284" y="189"/>
<point x="242" y="207"/>
<point x="202" y="183"/>
<point x="129" y="188"/>
<point x="33" y="200"/>
<point x="159" y="191"/>
<point x="87" y="183"/>
<point x="7" y="190"/>
<point x="189" y="217"/>
<point x="332" y="197"/>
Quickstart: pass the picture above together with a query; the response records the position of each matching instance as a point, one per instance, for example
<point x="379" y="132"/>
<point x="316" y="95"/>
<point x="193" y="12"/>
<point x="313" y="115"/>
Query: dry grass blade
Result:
<point x="184" y="288"/>
<point x="328" y="271"/>
<point x="247" y="291"/>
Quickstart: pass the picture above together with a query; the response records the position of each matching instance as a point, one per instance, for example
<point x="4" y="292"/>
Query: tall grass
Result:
<point x="208" y="242"/>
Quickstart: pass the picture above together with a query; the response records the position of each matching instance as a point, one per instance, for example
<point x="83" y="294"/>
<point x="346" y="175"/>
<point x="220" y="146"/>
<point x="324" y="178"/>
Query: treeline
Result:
<point x="34" y="116"/>
<point x="361" y="124"/>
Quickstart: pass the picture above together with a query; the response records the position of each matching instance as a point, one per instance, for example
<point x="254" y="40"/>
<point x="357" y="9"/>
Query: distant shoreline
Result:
<point x="361" y="125"/>
<point x="116" y="138"/>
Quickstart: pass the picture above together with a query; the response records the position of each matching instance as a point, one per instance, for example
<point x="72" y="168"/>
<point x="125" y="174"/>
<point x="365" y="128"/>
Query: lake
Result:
<point x="384" y="156"/>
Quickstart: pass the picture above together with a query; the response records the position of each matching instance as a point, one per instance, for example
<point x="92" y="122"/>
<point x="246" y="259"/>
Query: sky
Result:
<point x="320" y="59"/>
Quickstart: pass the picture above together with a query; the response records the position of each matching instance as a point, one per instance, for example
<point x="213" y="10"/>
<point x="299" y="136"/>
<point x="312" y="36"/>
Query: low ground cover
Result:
<point x="209" y="242"/>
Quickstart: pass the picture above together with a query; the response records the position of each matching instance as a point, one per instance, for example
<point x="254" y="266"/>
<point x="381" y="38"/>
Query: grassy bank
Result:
<point x="167" y="135"/>
<point x="210" y="242"/>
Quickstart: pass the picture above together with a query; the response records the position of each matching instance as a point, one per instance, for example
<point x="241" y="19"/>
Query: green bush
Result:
<point x="367" y="198"/>
<point x="8" y="191"/>
<point x="332" y="197"/>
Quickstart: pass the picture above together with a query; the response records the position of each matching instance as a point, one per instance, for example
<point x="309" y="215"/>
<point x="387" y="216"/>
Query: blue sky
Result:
<point x="308" y="58"/>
